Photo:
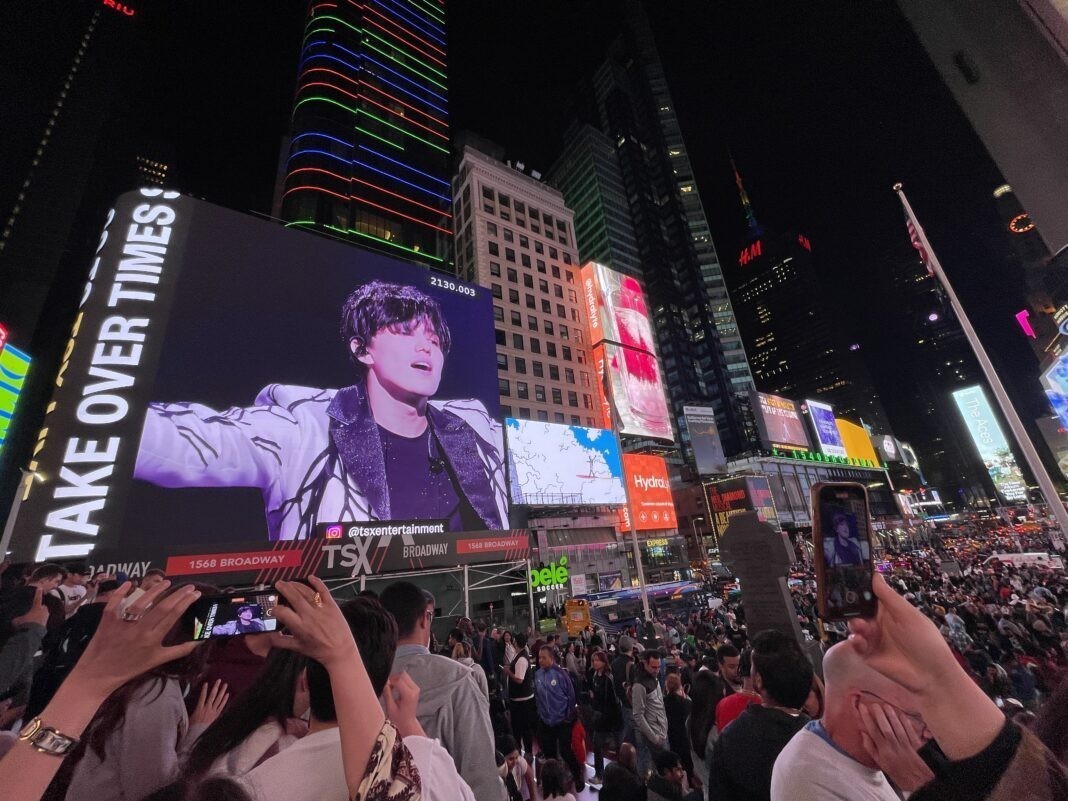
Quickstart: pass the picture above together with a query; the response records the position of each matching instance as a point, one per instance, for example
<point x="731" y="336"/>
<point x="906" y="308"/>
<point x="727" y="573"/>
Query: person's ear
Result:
<point x="355" y="344"/>
<point x="758" y="683"/>
<point x="302" y="681"/>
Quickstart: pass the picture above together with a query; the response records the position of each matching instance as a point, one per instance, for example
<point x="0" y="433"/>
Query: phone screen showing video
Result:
<point x="234" y="615"/>
<point x="845" y="550"/>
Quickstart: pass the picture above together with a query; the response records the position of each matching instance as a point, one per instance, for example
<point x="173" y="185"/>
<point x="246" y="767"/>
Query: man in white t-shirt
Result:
<point x="871" y="730"/>
<point x="311" y="769"/>
<point x="75" y="589"/>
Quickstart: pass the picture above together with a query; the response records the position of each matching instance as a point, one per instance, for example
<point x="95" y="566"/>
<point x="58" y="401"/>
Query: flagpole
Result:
<point x="1045" y="483"/>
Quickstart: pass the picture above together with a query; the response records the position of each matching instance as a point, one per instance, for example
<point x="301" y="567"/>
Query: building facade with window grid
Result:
<point x="369" y="146"/>
<point x="516" y="237"/>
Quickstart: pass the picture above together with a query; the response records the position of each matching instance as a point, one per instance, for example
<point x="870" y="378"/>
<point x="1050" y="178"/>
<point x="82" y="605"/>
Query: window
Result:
<point x="516" y="317"/>
<point x="524" y="242"/>
<point x="570" y="277"/>
<point x="534" y="214"/>
<point x="543" y="285"/>
<point x="584" y="377"/>
<point x="580" y="357"/>
<point x="558" y="417"/>
<point x="539" y="247"/>
<point x="539" y="393"/>
<point x="513" y="295"/>
<point x="487" y="193"/>
<point x="531" y="303"/>
<point x="506" y="410"/>
<point x="517" y="341"/>
<point x="524" y="259"/>
<point x="576" y="420"/>
<point x="533" y="226"/>
<point x="556" y="271"/>
<point x="548" y="221"/>
<point x="498" y="314"/>
<point x="508" y="235"/>
<point x="567" y="353"/>
<point x="535" y="345"/>
<point x="541" y="266"/>
<point x="587" y="401"/>
<point x="488" y="208"/>
<point x="574" y="315"/>
<point x="558" y="397"/>
<point x="554" y="372"/>
<point x="513" y="275"/>
<point x="546" y="307"/>
<point x="549" y="327"/>
<point x="589" y="422"/>
<point x="563" y="332"/>
<point x="502" y="361"/>
<point x="522" y="392"/>
<point x="505" y="215"/>
<point x="539" y="369"/>
<point x="553" y="254"/>
<point x="567" y="258"/>
<point x="532" y="323"/>
<point x="569" y="374"/>
<point x="494" y="249"/>
<point x="543" y="417"/>
<point x="491" y="228"/>
<point x="572" y="399"/>
<point x="521" y="365"/>
<point x="528" y="280"/>
<point x="496" y="290"/>
<point x="524" y="413"/>
<point x="502" y="338"/>
<point x="520" y="207"/>
<point x="504" y="200"/>
<point x="509" y="254"/>
<point x="504" y="386"/>
<point x="562" y="312"/>
<point x="572" y="296"/>
<point x="550" y="348"/>
<point x="495" y="268"/>
<point x="558" y="291"/>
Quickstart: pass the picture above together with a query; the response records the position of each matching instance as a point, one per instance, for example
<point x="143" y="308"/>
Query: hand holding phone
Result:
<point x="233" y="614"/>
<point x="842" y="538"/>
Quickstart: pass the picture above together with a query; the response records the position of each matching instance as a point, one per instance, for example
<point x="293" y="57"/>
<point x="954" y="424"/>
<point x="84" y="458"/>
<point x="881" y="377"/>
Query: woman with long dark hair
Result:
<point x="262" y="721"/>
<point x="607" y="711"/>
<point x="701" y="727"/>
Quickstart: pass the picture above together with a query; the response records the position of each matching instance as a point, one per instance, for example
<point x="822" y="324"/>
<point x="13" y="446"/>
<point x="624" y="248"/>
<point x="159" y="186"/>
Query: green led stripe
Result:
<point x="419" y="253"/>
<point x="406" y="133"/>
<point x="431" y="11"/>
<point x="337" y="19"/>
<point x="379" y="138"/>
<point x="358" y="128"/>
<point x="316" y="30"/>
<point x="407" y="67"/>
<point x="300" y="222"/>
<point x="406" y="53"/>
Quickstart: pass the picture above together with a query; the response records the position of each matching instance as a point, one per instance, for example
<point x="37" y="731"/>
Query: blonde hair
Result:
<point x="673" y="682"/>
<point x="461" y="650"/>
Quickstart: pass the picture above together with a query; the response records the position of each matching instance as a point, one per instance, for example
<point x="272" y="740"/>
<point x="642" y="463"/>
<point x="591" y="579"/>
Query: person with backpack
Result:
<point x="607" y="712"/>
<point x="555" y="697"/>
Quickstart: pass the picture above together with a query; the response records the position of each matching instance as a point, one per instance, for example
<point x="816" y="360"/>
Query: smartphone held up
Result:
<point x="233" y="614"/>
<point x="842" y="538"/>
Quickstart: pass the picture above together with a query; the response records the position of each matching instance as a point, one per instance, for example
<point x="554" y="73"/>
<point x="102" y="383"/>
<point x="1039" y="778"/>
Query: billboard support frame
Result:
<point x="1045" y="483"/>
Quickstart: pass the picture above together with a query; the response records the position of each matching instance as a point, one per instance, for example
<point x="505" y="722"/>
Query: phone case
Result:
<point x="839" y="578"/>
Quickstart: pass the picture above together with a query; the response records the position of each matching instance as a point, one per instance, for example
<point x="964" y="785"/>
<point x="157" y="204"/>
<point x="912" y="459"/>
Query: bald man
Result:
<point x="871" y="725"/>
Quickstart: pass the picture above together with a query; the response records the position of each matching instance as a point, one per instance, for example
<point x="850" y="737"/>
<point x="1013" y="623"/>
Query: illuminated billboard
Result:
<point x="990" y="441"/>
<point x="14" y="367"/>
<point x="1057" y="438"/>
<point x="908" y="456"/>
<point x="1055" y="379"/>
<point x="209" y="406"/>
<point x="732" y="496"/>
<point x="622" y="333"/>
<point x="650" y="492"/>
<point x="552" y="465"/>
<point x="779" y="422"/>
<point x="704" y="439"/>
<point x="823" y="424"/>
<point x="887" y="448"/>
<point x="857" y="442"/>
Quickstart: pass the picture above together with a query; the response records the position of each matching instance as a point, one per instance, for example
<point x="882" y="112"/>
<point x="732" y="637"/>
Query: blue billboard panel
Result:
<point x="551" y="464"/>
<point x="991" y="443"/>
<point x="826" y="427"/>
<point x="238" y="387"/>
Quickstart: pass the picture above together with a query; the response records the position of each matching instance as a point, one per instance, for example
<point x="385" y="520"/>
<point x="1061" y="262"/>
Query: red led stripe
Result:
<point x="406" y="43"/>
<point x="407" y="31"/>
<point x="366" y="85"/>
<point x="373" y="186"/>
<point x="396" y="113"/>
<point x="358" y="199"/>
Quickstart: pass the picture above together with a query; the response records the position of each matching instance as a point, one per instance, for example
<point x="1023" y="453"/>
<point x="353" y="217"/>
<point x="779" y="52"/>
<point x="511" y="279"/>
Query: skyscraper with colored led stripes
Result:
<point x="369" y="147"/>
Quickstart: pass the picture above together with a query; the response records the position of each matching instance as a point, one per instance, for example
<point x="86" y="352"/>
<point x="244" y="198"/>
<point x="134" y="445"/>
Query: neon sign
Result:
<point x="1021" y="224"/>
<point x="750" y="252"/>
<point x="14" y="367"/>
<point x="1023" y="318"/>
<point x="813" y="456"/>
<point x="120" y="7"/>
<point x="553" y="577"/>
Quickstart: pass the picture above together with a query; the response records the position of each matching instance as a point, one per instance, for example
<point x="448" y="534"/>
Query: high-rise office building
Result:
<point x="795" y="348"/>
<point x="516" y="236"/>
<point x="369" y="142"/>
<point x="628" y="101"/>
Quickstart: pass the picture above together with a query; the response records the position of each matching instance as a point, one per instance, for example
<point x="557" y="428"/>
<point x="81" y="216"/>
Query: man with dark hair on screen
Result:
<point x="245" y="623"/>
<point x="843" y="548"/>
<point x="379" y="449"/>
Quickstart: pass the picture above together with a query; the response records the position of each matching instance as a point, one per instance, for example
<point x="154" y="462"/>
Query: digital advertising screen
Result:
<point x="1056" y="437"/>
<point x="14" y="367"/>
<point x="857" y="442"/>
<point x="235" y="390"/>
<point x="990" y="441"/>
<point x="704" y="439"/>
<point x="625" y="349"/>
<point x="551" y="464"/>
<point x="732" y="496"/>
<point x="908" y="456"/>
<point x="1055" y="380"/>
<point x="887" y="448"/>
<point x="826" y="429"/>
<point x="779" y="421"/>
<point x="650" y="492"/>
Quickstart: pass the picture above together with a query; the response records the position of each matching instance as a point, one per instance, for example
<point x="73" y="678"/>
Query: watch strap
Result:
<point x="46" y="739"/>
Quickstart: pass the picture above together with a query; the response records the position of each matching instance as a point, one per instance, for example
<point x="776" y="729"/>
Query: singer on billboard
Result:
<point x="380" y="449"/>
<point x="843" y="547"/>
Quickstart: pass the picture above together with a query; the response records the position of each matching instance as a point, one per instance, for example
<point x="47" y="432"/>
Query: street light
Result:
<point x="697" y="540"/>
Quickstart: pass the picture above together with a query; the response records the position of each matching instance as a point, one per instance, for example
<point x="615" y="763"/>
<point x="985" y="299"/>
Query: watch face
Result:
<point x="53" y="742"/>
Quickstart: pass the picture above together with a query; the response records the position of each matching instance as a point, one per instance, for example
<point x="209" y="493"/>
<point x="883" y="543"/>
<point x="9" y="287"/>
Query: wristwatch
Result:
<point x="46" y="739"/>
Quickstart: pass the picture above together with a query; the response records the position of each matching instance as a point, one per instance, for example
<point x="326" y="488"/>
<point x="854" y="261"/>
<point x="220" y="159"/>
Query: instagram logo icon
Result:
<point x="334" y="532"/>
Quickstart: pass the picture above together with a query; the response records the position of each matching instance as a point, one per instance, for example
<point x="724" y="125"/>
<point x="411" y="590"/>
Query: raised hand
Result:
<point x="893" y="743"/>
<point x="211" y="703"/>
<point x="315" y="624"/>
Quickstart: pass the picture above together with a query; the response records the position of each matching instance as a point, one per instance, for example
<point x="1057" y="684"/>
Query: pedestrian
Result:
<point x="647" y="702"/>
<point x="557" y="713"/>
<point x="461" y="652"/>
<point x="622" y="674"/>
<point x="517" y="773"/>
<point x="607" y="712"/>
<point x="677" y="708"/>
<point x="621" y="779"/>
<point x="729" y="708"/>
<point x="554" y="781"/>
<point x="669" y="783"/>
<point x="521" y="704"/>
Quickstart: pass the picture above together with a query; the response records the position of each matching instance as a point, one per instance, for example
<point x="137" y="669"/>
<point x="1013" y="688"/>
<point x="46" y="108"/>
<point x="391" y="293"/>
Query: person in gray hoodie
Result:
<point x="452" y="707"/>
<point x="650" y="717"/>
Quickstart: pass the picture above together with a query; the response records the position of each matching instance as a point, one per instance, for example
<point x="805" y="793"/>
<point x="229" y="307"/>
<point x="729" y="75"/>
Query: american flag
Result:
<point x="917" y="237"/>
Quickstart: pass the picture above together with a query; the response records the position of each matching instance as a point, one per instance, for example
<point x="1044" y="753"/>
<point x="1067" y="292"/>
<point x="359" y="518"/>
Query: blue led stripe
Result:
<point x="406" y="66"/>
<point x="416" y="84"/>
<point x="401" y="180"/>
<point x="406" y="166"/>
<point x="438" y="32"/>
<point x="422" y="100"/>
<point x="432" y="12"/>
<point x="321" y="152"/>
<point x="332" y="58"/>
<point x="325" y="136"/>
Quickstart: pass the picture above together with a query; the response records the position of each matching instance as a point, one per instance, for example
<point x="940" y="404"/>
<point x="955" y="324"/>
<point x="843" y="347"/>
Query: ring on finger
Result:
<point x="317" y="599"/>
<point x="131" y="615"/>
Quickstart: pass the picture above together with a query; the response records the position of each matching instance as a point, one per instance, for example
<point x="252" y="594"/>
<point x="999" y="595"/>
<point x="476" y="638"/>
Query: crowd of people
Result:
<point x="953" y="690"/>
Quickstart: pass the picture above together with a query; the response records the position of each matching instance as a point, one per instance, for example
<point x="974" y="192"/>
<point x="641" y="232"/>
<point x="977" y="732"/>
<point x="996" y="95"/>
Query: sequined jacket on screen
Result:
<point x="316" y="455"/>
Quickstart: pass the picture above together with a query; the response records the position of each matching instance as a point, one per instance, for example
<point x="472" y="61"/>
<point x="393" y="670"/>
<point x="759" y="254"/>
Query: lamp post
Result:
<point x="697" y="539"/>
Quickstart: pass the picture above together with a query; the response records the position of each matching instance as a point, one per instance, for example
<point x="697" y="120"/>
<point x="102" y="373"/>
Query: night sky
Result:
<point x="824" y="107"/>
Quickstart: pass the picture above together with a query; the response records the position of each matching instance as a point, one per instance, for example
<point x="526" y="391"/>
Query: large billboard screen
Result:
<point x="210" y="406"/>
<point x="704" y="439"/>
<point x="887" y="448"/>
<point x="14" y="367"/>
<point x="551" y="464"/>
<point x="779" y="422"/>
<point x="857" y="442"/>
<point x="990" y="441"/>
<point x="621" y="330"/>
<point x="1056" y="437"/>
<point x="650" y="492"/>
<point x="732" y="496"/>
<point x="827" y="435"/>
<point x="1055" y="380"/>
